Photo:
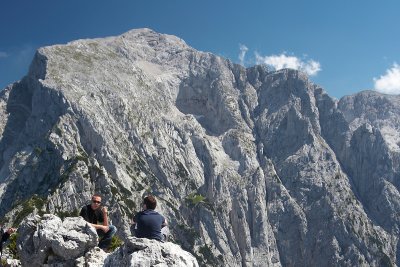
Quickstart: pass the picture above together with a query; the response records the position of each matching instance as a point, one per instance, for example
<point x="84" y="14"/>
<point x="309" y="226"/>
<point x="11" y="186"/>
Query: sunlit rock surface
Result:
<point x="49" y="241"/>
<point x="251" y="167"/>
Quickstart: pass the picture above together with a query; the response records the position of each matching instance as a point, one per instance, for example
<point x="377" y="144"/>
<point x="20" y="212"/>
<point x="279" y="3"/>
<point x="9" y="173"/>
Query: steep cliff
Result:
<point x="252" y="167"/>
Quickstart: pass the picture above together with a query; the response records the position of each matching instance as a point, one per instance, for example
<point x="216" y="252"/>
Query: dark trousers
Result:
<point x="105" y="238"/>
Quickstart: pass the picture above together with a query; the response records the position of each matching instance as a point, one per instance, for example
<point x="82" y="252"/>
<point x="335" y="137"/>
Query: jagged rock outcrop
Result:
<point x="49" y="241"/>
<point x="252" y="167"/>
<point x="146" y="252"/>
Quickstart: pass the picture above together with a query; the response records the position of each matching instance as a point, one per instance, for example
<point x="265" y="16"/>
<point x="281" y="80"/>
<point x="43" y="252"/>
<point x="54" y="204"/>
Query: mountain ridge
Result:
<point x="287" y="175"/>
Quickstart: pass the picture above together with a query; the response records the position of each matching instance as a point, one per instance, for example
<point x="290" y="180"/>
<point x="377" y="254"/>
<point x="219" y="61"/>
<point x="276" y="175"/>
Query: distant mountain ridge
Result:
<point x="252" y="167"/>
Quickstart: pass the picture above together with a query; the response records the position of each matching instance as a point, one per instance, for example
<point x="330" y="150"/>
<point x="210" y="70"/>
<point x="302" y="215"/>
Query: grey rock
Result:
<point x="47" y="240"/>
<point x="93" y="258"/>
<point x="145" y="252"/>
<point x="252" y="167"/>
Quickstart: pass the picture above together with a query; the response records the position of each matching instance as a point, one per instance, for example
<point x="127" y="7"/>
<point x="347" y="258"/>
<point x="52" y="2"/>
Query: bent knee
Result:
<point x="113" y="229"/>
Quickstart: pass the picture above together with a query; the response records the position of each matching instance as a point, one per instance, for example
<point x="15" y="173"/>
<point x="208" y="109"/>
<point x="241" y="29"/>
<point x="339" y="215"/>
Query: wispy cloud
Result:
<point x="25" y="54"/>
<point x="311" y="67"/>
<point x="21" y="56"/>
<point x="282" y="61"/>
<point x="3" y="54"/>
<point x="389" y="83"/>
<point x="242" y="54"/>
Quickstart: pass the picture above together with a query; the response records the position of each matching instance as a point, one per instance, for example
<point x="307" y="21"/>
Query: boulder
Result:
<point x="145" y="252"/>
<point x="44" y="241"/>
<point x="49" y="241"/>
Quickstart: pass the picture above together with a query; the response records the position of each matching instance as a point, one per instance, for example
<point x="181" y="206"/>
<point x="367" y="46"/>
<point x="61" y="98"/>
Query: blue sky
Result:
<point x="345" y="46"/>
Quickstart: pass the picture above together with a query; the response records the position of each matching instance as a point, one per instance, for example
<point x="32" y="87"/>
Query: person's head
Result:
<point x="96" y="201"/>
<point x="150" y="202"/>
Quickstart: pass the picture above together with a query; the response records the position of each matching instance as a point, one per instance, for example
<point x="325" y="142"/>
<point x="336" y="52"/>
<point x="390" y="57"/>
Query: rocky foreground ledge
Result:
<point x="49" y="241"/>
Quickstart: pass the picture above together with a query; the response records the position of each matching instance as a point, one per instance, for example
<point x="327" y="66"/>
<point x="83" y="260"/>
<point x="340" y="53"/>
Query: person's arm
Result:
<point x="136" y="217"/>
<point x="83" y="213"/>
<point x="105" y="215"/>
<point x="165" y="223"/>
<point x="104" y="226"/>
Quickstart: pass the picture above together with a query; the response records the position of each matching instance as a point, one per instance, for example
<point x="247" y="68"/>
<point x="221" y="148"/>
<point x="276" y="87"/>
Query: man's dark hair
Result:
<point x="150" y="201"/>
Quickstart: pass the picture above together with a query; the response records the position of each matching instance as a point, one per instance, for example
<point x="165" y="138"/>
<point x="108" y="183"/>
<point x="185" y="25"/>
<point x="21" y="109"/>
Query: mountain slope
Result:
<point x="252" y="167"/>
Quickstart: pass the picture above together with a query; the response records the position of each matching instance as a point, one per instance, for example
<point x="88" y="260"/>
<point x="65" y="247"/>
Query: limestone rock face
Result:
<point x="145" y="252"/>
<point x="49" y="241"/>
<point x="251" y="167"/>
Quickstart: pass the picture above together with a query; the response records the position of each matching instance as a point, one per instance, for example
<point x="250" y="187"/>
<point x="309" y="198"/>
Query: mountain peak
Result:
<point x="250" y="166"/>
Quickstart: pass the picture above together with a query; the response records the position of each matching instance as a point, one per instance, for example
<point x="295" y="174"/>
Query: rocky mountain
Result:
<point x="252" y="167"/>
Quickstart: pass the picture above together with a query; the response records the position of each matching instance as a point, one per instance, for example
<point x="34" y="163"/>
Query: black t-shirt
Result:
<point x="149" y="223"/>
<point x="92" y="216"/>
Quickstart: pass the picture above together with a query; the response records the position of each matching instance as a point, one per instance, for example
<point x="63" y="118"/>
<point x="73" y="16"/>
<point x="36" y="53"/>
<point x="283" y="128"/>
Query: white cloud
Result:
<point x="282" y="61"/>
<point x="242" y="54"/>
<point x="390" y="82"/>
<point x="3" y="54"/>
<point x="312" y="67"/>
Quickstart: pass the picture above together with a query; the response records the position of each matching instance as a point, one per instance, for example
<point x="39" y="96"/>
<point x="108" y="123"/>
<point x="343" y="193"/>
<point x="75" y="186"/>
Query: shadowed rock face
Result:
<point x="251" y="167"/>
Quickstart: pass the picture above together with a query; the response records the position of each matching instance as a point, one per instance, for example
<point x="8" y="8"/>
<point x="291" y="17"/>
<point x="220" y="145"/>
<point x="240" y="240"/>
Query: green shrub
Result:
<point x="12" y="246"/>
<point x="28" y="206"/>
<point x="116" y="242"/>
<point x="195" y="199"/>
<point x="38" y="150"/>
<point x="65" y="214"/>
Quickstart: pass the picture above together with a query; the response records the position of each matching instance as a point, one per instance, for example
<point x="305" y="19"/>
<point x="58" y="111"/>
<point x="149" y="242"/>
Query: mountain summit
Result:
<point x="251" y="167"/>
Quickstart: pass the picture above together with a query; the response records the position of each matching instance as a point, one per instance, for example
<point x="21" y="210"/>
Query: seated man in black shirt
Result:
<point x="149" y="223"/>
<point x="97" y="216"/>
